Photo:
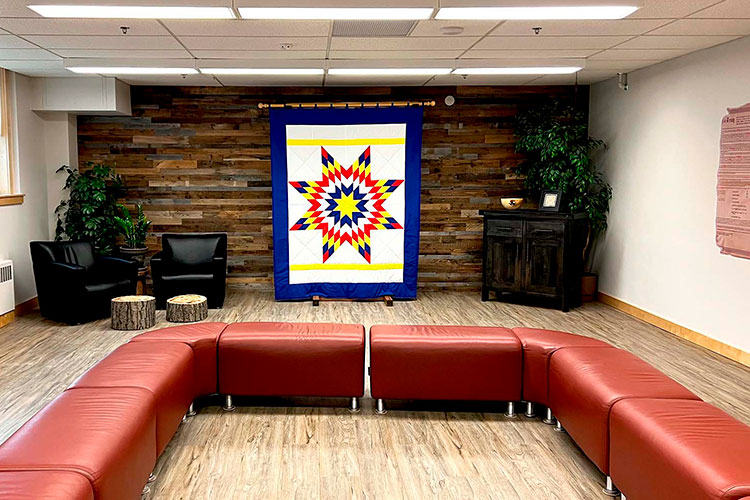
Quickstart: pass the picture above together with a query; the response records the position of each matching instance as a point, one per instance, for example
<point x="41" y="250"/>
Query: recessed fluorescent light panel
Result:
<point x="538" y="13"/>
<point x="366" y="14"/>
<point x="262" y="71"/>
<point x="132" y="12"/>
<point x="531" y="70"/>
<point x="389" y="71"/>
<point x="103" y="70"/>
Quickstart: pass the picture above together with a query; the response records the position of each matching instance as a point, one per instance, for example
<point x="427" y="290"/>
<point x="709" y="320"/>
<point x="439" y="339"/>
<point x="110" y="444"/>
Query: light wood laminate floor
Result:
<point x="326" y="452"/>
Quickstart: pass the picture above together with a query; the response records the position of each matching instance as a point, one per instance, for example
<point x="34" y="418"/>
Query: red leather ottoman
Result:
<point x="678" y="450"/>
<point x="107" y="435"/>
<point x="292" y="359"/>
<point x="584" y="383"/>
<point x="164" y="368"/>
<point x="203" y="338"/>
<point x="44" y="485"/>
<point x="538" y="346"/>
<point x="445" y="362"/>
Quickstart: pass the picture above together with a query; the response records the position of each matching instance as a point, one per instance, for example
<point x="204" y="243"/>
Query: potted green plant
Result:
<point x="88" y="213"/>
<point x="554" y="139"/>
<point x="134" y="231"/>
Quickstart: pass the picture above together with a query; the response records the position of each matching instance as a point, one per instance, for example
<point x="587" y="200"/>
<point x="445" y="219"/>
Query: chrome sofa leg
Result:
<point x="559" y="427"/>
<point x="145" y="492"/>
<point x="529" y="410"/>
<point x="228" y="406"/>
<point x="611" y="490"/>
<point x="511" y="413"/>
<point x="354" y="405"/>
<point x="381" y="407"/>
<point x="549" y="419"/>
<point x="151" y="477"/>
<point x="191" y="411"/>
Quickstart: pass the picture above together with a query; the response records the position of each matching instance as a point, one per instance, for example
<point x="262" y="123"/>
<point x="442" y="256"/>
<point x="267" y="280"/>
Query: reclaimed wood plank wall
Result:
<point x="198" y="159"/>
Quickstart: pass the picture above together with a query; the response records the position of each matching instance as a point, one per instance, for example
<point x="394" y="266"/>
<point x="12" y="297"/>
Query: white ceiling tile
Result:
<point x="621" y="66"/>
<point x="728" y="9"/>
<point x="637" y="55"/>
<point x="271" y="81"/>
<point x="584" y="77"/>
<point x="394" y="54"/>
<point x="481" y="80"/>
<point x="580" y="28"/>
<point x="529" y="54"/>
<point x="21" y="66"/>
<point x="172" y="80"/>
<point x="375" y="81"/>
<point x="253" y="43"/>
<point x="738" y="27"/>
<point x="675" y="42"/>
<point x="259" y="54"/>
<point x="16" y="8"/>
<point x="248" y="27"/>
<point x="471" y="28"/>
<point x="124" y="54"/>
<point x="47" y="26"/>
<point x="410" y="43"/>
<point x="13" y="42"/>
<point x="550" y="42"/>
<point x="27" y="54"/>
<point x="661" y="9"/>
<point x="121" y="42"/>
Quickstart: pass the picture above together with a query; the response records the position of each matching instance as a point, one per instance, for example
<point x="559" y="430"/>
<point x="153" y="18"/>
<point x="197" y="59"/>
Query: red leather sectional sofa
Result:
<point x="100" y="439"/>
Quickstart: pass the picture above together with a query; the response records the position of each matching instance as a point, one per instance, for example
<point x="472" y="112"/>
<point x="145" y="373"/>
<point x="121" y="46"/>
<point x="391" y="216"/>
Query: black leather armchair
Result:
<point x="73" y="285"/>
<point x="191" y="263"/>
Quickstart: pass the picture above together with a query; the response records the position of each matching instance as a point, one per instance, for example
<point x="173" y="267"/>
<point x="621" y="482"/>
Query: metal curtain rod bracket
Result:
<point x="347" y="105"/>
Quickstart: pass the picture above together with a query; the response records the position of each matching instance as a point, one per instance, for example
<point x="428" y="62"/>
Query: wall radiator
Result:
<point x="7" y="297"/>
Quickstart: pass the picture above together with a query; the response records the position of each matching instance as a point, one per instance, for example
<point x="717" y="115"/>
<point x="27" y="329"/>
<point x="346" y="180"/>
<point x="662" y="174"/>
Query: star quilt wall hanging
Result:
<point x="346" y="202"/>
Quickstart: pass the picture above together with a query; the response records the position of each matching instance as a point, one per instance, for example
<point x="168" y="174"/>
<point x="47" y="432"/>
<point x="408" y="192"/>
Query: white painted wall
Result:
<point x="20" y="224"/>
<point x="43" y="142"/>
<point x="663" y="136"/>
<point x="61" y="148"/>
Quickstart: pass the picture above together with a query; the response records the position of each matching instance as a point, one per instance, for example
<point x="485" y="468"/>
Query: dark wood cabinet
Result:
<point x="534" y="253"/>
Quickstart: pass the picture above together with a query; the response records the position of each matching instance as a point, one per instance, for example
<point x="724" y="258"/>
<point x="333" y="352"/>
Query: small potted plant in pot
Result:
<point x="134" y="231"/>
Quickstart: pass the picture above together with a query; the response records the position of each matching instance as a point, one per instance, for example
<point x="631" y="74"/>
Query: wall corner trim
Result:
<point x="699" y="339"/>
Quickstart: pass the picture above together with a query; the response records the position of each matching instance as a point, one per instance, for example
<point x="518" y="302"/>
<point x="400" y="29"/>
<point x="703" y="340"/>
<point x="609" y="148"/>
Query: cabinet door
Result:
<point x="543" y="254"/>
<point x="504" y="258"/>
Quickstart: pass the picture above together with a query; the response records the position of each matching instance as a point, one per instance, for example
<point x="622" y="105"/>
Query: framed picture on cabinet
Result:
<point x="550" y="200"/>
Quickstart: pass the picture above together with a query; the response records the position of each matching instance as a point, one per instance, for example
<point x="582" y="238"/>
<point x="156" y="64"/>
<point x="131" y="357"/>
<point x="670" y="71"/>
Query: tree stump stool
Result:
<point x="187" y="308"/>
<point x="133" y="312"/>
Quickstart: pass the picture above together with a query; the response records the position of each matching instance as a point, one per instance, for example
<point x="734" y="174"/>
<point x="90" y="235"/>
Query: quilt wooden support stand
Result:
<point x="387" y="300"/>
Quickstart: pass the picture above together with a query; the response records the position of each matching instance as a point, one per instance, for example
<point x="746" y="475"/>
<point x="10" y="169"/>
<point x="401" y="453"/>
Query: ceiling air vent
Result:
<point x="372" y="28"/>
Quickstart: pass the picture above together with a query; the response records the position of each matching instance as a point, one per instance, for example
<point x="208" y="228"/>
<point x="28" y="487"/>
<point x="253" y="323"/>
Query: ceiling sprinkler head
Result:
<point x="537" y="30"/>
<point x="124" y="29"/>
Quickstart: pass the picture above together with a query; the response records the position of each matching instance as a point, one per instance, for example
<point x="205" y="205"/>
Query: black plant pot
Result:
<point x="135" y="254"/>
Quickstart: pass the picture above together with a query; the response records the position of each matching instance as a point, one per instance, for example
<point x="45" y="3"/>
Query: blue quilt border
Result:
<point x="280" y="118"/>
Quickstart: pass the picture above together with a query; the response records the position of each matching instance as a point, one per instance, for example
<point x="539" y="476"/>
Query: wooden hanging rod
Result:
<point x="385" y="104"/>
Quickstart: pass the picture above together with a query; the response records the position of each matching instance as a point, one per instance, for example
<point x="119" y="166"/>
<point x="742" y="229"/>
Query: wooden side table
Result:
<point x="187" y="308"/>
<point x="140" y="288"/>
<point x="133" y="312"/>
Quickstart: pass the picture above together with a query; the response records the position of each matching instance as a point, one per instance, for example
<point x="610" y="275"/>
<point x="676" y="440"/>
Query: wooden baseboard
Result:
<point x="27" y="307"/>
<point x="7" y="318"/>
<point x="713" y="345"/>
